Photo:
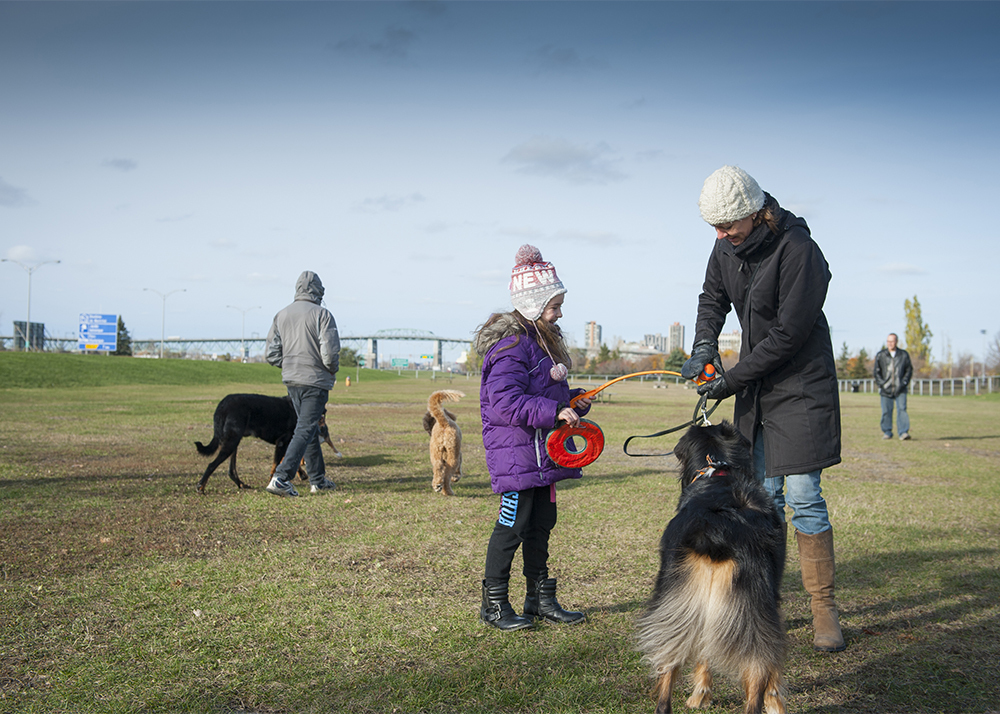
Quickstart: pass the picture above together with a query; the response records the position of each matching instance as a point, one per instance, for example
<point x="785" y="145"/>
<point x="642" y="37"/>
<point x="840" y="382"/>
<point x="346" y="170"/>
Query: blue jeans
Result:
<point x="902" y="418"/>
<point x="309" y="403"/>
<point x="802" y="493"/>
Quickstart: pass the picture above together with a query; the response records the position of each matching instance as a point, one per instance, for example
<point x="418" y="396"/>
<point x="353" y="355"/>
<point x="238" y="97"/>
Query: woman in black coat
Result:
<point x="766" y="266"/>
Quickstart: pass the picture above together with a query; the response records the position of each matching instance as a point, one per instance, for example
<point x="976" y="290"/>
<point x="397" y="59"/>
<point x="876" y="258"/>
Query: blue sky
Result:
<point x="404" y="151"/>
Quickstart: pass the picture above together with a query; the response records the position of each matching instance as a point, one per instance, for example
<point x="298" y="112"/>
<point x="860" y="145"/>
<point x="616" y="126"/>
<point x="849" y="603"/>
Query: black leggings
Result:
<point x="525" y="517"/>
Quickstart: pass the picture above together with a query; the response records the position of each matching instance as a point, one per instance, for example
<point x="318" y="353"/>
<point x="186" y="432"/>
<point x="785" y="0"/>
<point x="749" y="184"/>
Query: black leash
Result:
<point x="700" y="417"/>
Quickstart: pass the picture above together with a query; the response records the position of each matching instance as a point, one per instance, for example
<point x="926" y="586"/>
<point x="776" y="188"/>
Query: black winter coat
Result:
<point x="786" y="379"/>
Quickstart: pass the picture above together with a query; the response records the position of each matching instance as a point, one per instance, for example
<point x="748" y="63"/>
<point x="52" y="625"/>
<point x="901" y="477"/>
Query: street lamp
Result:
<point x="983" y="332"/>
<point x="243" y="349"/>
<point x="163" y="317"/>
<point x="30" y="269"/>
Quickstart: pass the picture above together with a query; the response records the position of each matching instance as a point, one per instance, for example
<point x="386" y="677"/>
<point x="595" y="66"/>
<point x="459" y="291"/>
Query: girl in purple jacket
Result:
<point x="524" y="395"/>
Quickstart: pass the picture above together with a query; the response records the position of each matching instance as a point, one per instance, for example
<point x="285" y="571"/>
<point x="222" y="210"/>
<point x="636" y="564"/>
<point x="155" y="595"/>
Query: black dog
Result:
<point x="271" y="419"/>
<point x="716" y="600"/>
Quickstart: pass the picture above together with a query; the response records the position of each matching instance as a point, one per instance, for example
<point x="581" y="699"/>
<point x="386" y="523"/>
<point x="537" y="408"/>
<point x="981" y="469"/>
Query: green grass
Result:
<point x="123" y="590"/>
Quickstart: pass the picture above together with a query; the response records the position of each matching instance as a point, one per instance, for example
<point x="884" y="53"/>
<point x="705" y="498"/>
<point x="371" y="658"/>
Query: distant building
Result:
<point x="592" y="336"/>
<point x="658" y="342"/>
<point x="676" y="341"/>
<point x="730" y="341"/>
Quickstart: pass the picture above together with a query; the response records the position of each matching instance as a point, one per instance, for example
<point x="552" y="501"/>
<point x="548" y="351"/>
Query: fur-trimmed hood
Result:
<point x="505" y="325"/>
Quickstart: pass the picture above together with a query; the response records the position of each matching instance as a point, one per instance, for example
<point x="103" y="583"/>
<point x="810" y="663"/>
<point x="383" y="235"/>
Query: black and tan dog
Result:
<point x="716" y="600"/>
<point x="271" y="419"/>
<point x="446" y="441"/>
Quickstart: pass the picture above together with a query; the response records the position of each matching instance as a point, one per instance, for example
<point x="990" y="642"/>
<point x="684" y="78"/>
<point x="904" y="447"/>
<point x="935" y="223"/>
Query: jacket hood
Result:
<point x="309" y="287"/>
<point x="505" y="325"/>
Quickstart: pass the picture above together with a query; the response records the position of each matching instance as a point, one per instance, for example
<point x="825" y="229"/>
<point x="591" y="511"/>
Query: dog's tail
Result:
<point x="435" y="412"/>
<point x="212" y="447"/>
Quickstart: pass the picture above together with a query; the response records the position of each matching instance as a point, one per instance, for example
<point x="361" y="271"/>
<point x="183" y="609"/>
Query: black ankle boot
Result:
<point x="497" y="612"/>
<point x="541" y="602"/>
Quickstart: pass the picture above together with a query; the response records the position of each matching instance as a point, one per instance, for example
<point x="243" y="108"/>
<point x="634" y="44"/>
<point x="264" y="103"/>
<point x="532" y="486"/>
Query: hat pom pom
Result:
<point x="558" y="372"/>
<point x="527" y="255"/>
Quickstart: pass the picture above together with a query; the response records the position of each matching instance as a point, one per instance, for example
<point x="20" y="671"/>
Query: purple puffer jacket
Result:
<point x="519" y="403"/>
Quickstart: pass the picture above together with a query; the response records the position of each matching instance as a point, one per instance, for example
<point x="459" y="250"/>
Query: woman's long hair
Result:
<point x="768" y="214"/>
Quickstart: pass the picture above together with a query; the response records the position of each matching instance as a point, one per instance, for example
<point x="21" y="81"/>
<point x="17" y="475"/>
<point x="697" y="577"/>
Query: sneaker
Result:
<point x="886" y="436"/>
<point x="904" y="437"/>
<point x="281" y="488"/>
<point x="324" y="485"/>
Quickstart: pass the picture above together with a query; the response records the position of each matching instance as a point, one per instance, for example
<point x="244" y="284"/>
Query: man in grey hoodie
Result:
<point x="304" y="342"/>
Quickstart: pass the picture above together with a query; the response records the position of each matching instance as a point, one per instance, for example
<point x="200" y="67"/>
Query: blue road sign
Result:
<point x="98" y="333"/>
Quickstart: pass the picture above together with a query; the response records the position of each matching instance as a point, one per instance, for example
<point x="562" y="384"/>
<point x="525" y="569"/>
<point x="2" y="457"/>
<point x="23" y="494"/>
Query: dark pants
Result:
<point x="309" y="403"/>
<point x="526" y="518"/>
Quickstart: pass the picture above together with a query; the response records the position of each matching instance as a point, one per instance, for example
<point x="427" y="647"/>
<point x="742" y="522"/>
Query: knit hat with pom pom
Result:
<point x="533" y="282"/>
<point x="729" y="194"/>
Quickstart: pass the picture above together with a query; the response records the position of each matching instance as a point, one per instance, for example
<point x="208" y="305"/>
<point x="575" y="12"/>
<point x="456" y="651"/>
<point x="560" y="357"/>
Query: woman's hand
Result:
<point x="583" y="402"/>
<point x="569" y="415"/>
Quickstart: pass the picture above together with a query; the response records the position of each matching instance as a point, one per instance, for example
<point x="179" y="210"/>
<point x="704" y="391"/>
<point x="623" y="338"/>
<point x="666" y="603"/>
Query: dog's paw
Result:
<point x="700" y="698"/>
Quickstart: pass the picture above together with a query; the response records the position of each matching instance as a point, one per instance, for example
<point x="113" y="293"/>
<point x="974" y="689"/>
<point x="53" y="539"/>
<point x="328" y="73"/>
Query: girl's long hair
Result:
<point x="549" y="336"/>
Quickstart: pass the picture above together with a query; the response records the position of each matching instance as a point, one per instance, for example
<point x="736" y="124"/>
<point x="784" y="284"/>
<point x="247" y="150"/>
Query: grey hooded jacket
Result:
<point x="303" y="339"/>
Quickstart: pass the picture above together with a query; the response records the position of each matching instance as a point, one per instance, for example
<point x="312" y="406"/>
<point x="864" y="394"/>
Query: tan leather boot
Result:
<point x="816" y="558"/>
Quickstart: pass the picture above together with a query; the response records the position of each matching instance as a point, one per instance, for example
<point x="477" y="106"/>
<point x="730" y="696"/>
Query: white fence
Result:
<point x="959" y="386"/>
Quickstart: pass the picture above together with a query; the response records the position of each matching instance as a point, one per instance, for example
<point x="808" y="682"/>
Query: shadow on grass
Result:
<point x="933" y="648"/>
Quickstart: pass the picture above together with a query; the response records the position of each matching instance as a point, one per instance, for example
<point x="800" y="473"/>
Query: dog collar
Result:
<point x="714" y="468"/>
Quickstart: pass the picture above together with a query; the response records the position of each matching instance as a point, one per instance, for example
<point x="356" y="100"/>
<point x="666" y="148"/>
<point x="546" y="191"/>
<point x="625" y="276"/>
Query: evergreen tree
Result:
<point x="124" y="340"/>
<point x="918" y="334"/>
<point x="675" y="360"/>
<point x="859" y="366"/>
<point x="842" y="362"/>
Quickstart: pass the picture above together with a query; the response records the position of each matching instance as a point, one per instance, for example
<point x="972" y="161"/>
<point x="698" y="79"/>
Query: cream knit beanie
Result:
<point x="730" y="194"/>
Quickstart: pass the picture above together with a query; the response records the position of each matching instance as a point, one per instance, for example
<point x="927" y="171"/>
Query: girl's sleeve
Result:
<point x="507" y="386"/>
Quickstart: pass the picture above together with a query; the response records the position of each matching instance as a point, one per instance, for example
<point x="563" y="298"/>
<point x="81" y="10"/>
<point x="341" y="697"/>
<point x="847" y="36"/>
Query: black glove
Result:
<point x="702" y="353"/>
<point x="718" y="388"/>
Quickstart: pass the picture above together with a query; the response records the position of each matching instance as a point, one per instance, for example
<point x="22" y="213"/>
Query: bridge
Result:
<point x="365" y="345"/>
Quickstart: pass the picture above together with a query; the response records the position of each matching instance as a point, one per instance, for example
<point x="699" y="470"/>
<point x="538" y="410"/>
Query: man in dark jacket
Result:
<point x="304" y="342"/>
<point x="893" y="371"/>
<point x="766" y="266"/>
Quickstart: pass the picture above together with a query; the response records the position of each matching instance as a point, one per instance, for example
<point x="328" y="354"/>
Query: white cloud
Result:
<point x="21" y="252"/>
<point x="588" y="238"/>
<point x="387" y="203"/>
<point x="901" y="269"/>
<point x="560" y="159"/>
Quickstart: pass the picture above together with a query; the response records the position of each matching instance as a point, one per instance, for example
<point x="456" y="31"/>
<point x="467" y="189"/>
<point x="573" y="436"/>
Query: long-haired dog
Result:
<point x="716" y="600"/>
<point x="446" y="441"/>
<point x="271" y="419"/>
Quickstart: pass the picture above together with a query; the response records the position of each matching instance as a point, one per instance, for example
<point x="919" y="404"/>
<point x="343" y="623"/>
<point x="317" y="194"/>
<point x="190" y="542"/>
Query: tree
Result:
<point x="124" y="340"/>
<point x="918" y="334"/>
<point x="842" y="362"/>
<point x="348" y="357"/>
<point x="675" y="360"/>
<point x="859" y="368"/>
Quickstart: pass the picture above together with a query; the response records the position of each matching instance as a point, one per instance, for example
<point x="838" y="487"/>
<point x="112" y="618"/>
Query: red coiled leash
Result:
<point x="560" y="445"/>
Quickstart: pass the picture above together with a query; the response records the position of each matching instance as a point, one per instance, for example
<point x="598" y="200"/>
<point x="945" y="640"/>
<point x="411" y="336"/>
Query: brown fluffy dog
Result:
<point x="716" y="600"/>
<point x="446" y="441"/>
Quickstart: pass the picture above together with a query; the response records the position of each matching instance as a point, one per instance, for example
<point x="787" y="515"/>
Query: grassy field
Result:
<point x="123" y="590"/>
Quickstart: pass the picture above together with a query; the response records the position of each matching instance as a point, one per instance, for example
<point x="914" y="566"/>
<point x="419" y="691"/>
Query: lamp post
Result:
<point x="30" y="269"/>
<point x="163" y="316"/>
<point x="243" y="348"/>
<point x="983" y="333"/>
